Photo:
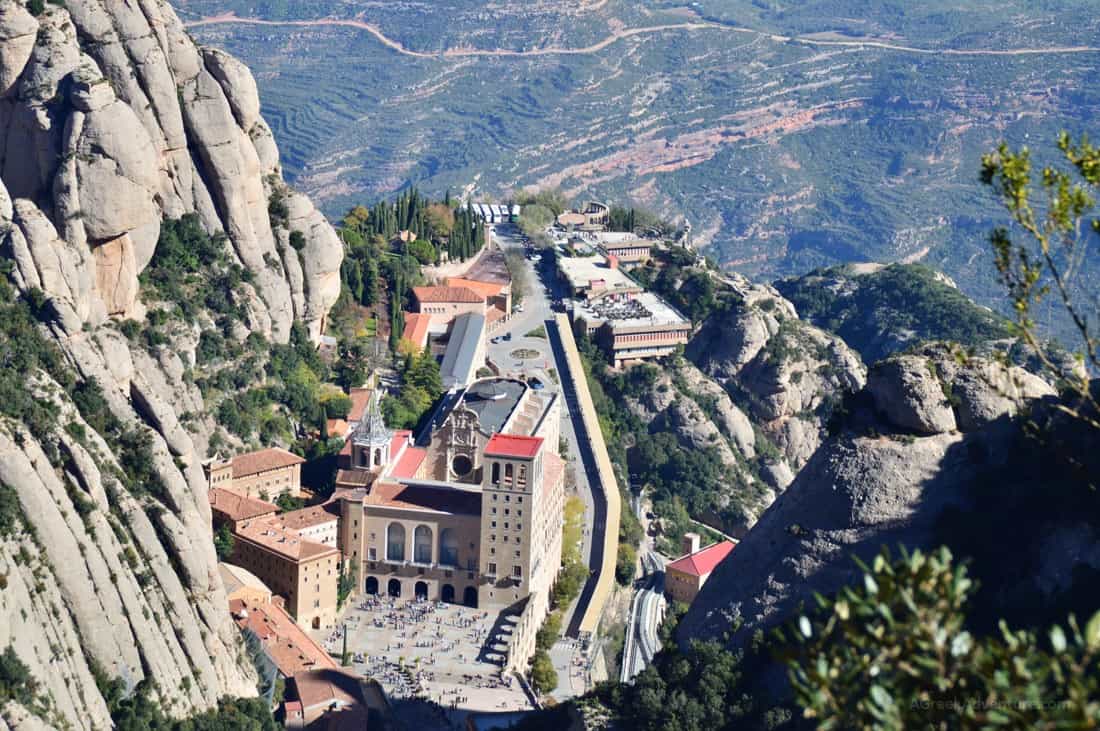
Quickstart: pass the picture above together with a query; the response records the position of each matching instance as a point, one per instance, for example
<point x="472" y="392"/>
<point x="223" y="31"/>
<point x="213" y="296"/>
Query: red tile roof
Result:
<point x="288" y="646"/>
<point x="702" y="562"/>
<point x="263" y="460"/>
<point x="446" y="294"/>
<point x="416" y="328"/>
<point x="238" y="507"/>
<point x="400" y="438"/>
<point x="270" y="535"/>
<point x="360" y="398"/>
<point x="510" y="445"/>
<point x="409" y="462"/>
<point x="485" y="289"/>
<point x="309" y="517"/>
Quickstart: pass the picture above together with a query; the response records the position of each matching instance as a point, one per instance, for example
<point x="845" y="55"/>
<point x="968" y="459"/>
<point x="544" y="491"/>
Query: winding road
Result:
<point x="618" y="35"/>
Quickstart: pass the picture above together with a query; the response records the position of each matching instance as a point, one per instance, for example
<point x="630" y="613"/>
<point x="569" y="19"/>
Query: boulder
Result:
<point x="908" y="392"/>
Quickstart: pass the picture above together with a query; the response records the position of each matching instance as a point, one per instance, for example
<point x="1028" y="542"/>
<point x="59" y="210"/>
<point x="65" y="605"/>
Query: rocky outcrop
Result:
<point x="784" y="374"/>
<point x="919" y="443"/>
<point x="112" y="121"/>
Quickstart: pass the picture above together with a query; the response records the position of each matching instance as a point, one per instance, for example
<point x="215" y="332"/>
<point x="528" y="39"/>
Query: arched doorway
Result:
<point x="447" y="594"/>
<point x="372" y="585"/>
<point x="421" y="590"/>
<point x="469" y="597"/>
<point x="394" y="588"/>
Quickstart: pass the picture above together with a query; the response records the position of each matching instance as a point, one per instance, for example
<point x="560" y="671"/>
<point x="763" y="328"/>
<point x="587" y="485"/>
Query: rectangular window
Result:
<point x="372" y="554"/>
<point x="517" y="571"/>
<point x="492" y="568"/>
<point x="494" y="524"/>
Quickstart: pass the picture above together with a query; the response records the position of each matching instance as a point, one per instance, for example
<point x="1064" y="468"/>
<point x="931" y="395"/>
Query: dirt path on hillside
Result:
<point x="619" y="35"/>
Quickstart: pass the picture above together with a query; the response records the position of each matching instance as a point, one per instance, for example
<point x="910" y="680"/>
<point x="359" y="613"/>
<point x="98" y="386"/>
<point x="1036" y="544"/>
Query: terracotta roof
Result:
<point x="702" y="562"/>
<point x="354" y="478"/>
<point x="309" y="517"/>
<point x="494" y="314"/>
<point x="263" y="460"/>
<point x="360" y="399"/>
<point x="325" y="687"/>
<point x="416" y="328"/>
<point x="283" y="541"/>
<point x="485" y="289"/>
<point x="399" y="439"/>
<point x="446" y="294"/>
<point x="439" y="499"/>
<point x="336" y="428"/>
<point x="287" y="644"/>
<point x="409" y="463"/>
<point x="238" y="507"/>
<point x="509" y="445"/>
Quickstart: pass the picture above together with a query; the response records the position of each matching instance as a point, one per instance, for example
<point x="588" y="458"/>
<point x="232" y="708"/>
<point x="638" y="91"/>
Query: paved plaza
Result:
<point x="446" y="654"/>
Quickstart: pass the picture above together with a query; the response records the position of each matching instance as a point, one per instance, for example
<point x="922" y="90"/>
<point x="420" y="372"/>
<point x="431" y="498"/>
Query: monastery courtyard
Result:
<point x="432" y="651"/>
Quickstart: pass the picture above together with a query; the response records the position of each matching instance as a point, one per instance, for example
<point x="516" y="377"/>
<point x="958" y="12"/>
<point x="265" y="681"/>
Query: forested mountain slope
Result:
<point x="791" y="135"/>
<point x="115" y="121"/>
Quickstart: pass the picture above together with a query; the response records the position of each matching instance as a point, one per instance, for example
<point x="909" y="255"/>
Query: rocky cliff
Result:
<point x="934" y="450"/>
<point x="113" y="120"/>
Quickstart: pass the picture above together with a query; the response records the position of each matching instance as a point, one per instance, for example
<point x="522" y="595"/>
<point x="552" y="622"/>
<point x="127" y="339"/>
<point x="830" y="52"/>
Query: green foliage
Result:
<point x="549" y="631"/>
<point x="16" y="682"/>
<point x="421" y="385"/>
<point x="36" y="7"/>
<point x="346" y="583"/>
<point x="287" y="502"/>
<point x="1060" y="234"/>
<point x="191" y="269"/>
<point x="223" y="542"/>
<point x="297" y="240"/>
<point x="543" y="677"/>
<point x="11" y="512"/>
<point x="538" y="332"/>
<point x="625" y="564"/>
<point x="691" y="690"/>
<point x="893" y="651"/>
<point x="876" y="312"/>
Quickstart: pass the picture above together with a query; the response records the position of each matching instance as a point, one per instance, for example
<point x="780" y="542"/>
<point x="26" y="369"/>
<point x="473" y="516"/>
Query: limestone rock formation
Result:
<point x="114" y="120"/>
<point x="892" y="476"/>
<point x="784" y="374"/>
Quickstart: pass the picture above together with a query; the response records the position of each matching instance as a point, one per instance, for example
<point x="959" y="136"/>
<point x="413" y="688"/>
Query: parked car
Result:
<point x="507" y="336"/>
<point x="495" y="340"/>
<point x="535" y="384"/>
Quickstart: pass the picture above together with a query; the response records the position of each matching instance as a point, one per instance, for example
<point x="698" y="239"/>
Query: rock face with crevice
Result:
<point x="114" y="120"/>
<point x="927" y="432"/>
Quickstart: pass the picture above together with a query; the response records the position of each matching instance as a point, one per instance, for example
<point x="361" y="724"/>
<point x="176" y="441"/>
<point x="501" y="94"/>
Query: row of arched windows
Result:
<point x="422" y="544"/>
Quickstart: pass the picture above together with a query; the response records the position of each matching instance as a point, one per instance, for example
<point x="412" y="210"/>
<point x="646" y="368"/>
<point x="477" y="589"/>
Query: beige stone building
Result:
<point x="229" y="507"/>
<point x="471" y="512"/>
<point x="317" y="523"/>
<point x="444" y="304"/>
<point x="263" y="474"/>
<point x="303" y="572"/>
<point x="685" y="576"/>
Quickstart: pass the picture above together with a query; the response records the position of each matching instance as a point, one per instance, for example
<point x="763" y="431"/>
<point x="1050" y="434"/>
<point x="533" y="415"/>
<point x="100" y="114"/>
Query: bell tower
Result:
<point x="370" y="443"/>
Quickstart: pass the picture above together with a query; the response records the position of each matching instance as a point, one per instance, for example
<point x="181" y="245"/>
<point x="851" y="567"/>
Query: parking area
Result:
<point x="446" y="654"/>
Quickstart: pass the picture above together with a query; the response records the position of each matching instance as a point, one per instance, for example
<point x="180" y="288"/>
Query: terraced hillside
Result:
<point x="790" y="137"/>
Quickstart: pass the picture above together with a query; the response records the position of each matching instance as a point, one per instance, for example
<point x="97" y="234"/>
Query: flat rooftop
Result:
<point x="641" y="310"/>
<point x="581" y="271"/>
